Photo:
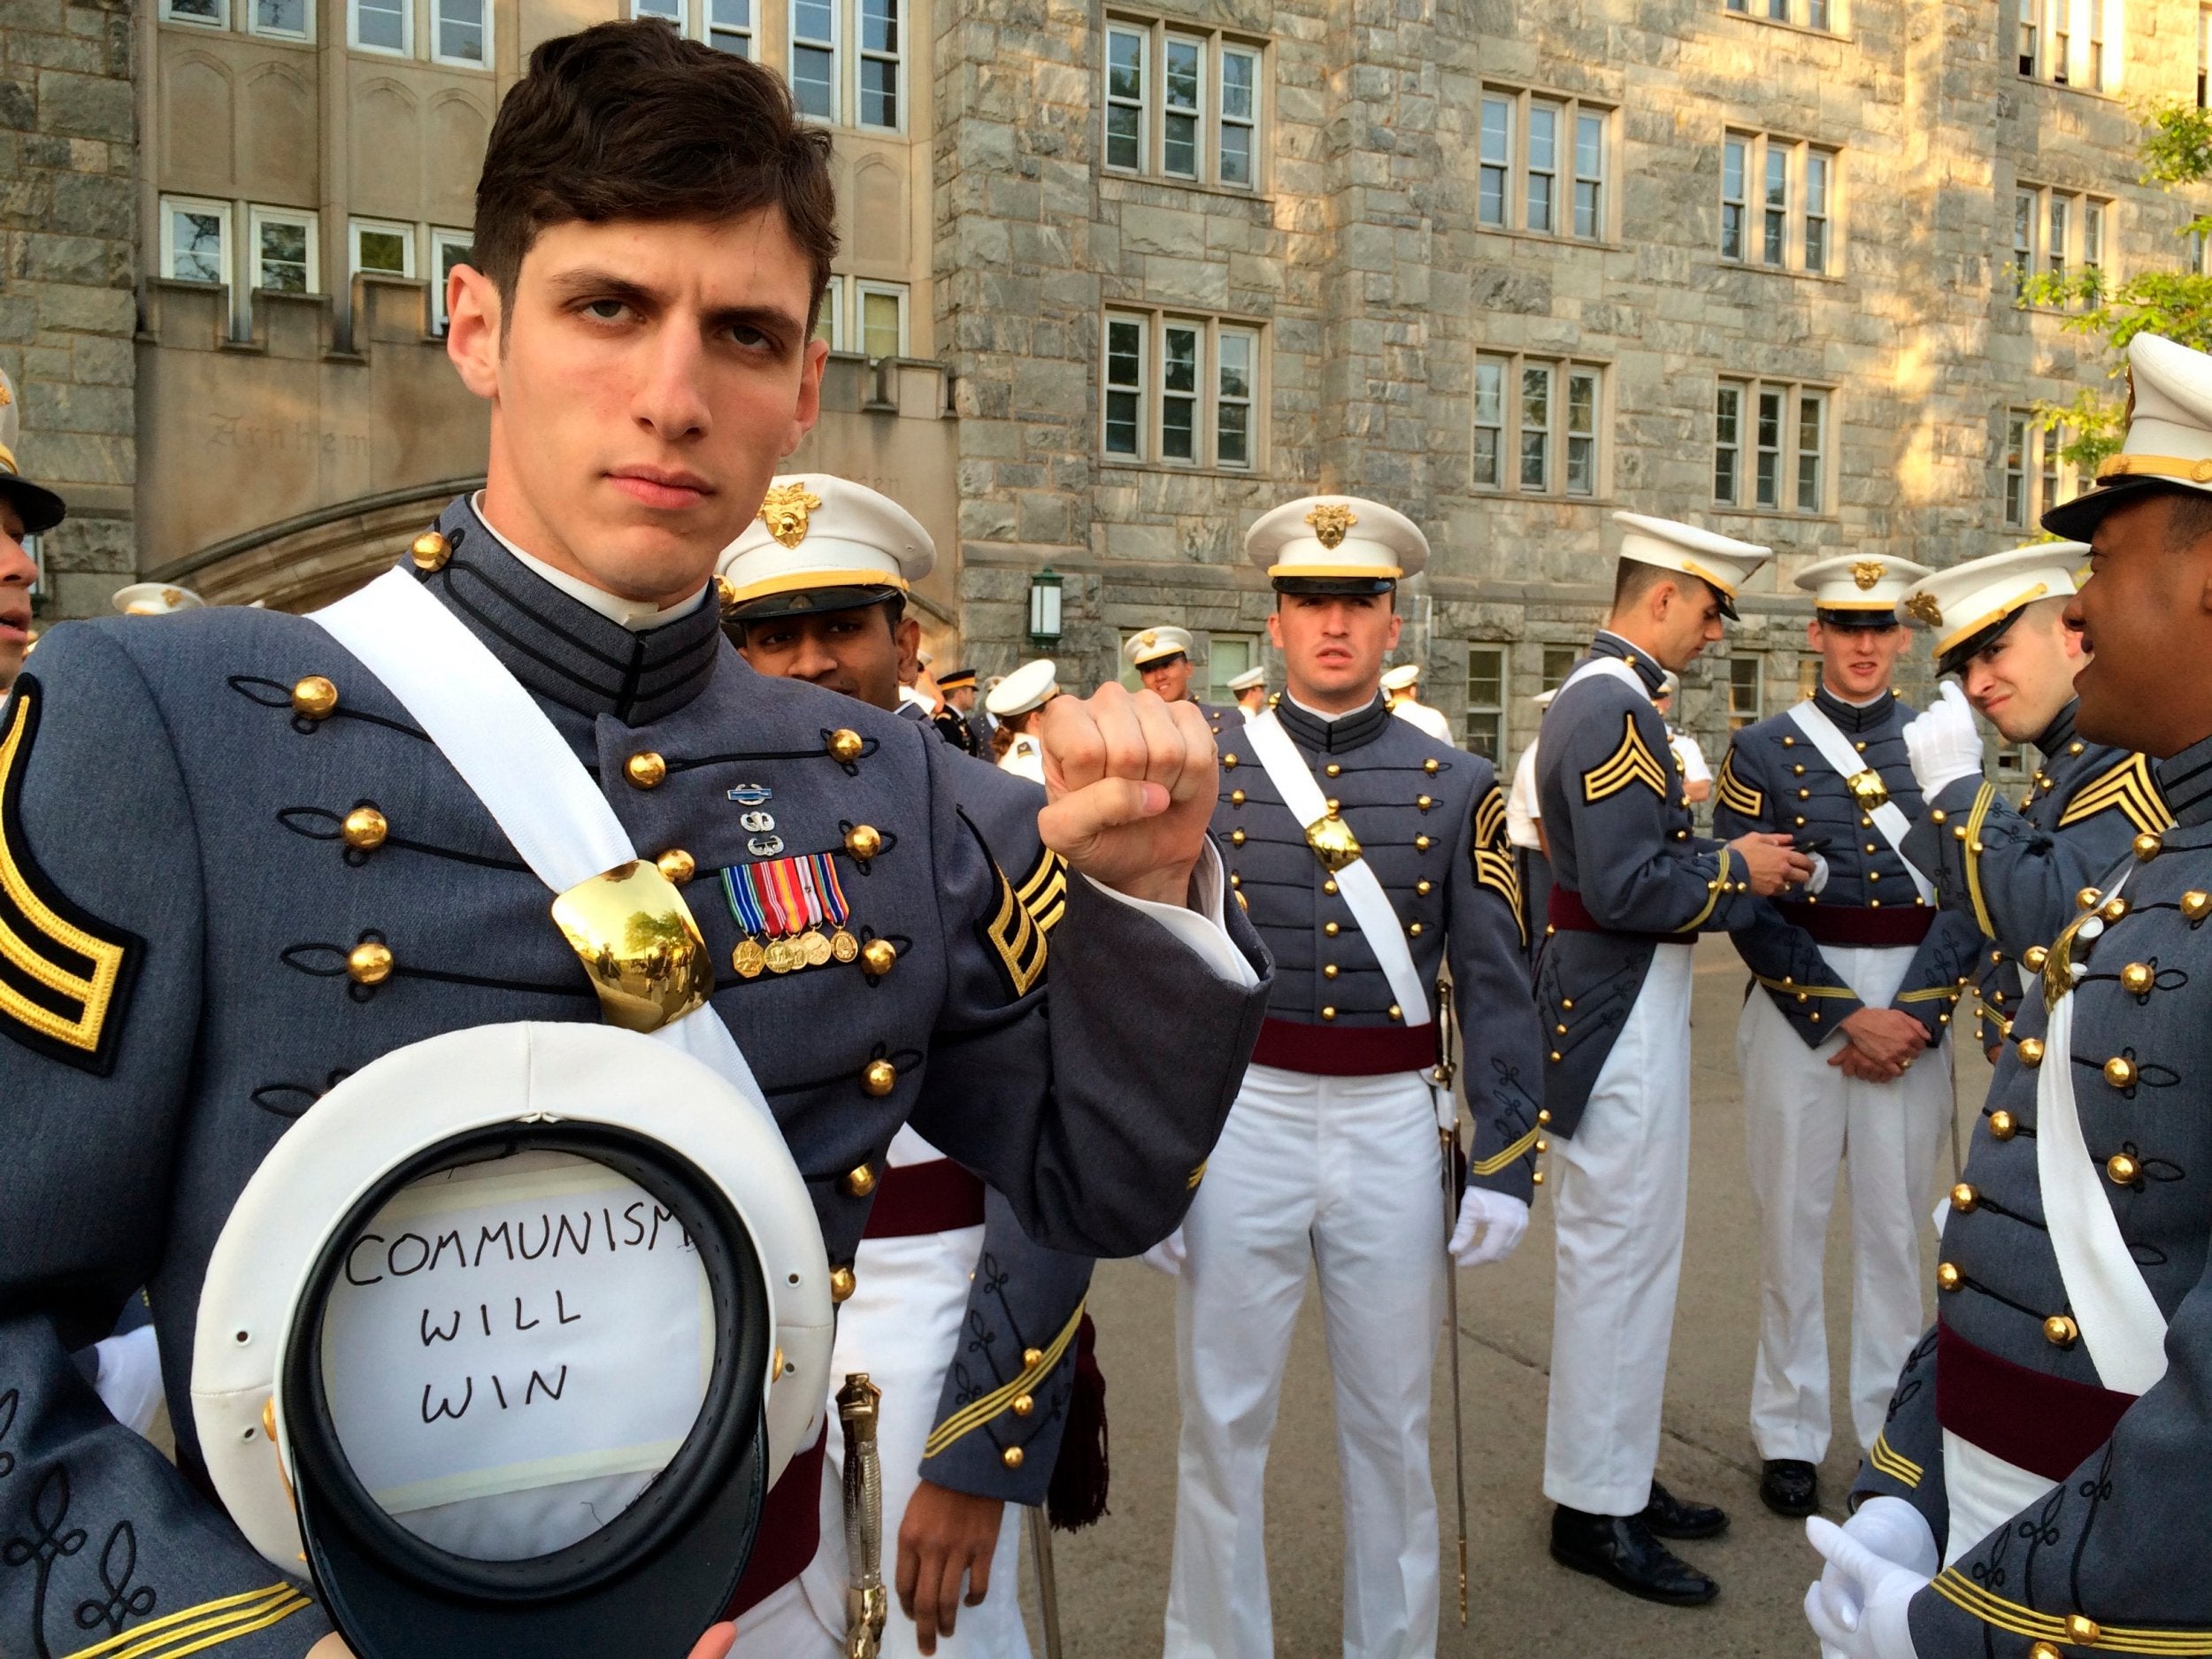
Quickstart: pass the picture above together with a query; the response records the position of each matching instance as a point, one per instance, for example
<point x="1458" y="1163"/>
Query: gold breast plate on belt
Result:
<point x="1868" y="789"/>
<point x="636" y="938"/>
<point x="1333" y="842"/>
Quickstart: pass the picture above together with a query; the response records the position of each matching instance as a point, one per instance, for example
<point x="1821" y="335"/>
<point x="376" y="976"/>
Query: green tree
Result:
<point x="2176" y="151"/>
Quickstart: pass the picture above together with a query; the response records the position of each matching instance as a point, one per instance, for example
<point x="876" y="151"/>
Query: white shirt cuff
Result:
<point x="1199" y="925"/>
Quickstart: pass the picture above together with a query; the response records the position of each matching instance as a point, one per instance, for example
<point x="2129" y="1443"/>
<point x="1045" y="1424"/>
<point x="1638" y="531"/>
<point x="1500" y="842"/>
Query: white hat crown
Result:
<point x="1721" y="561"/>
<point x="1959" y="602"/>
<point x="1319" y="536"/>
<point x="817" y="530"/>
<point x="1032" y="685"/>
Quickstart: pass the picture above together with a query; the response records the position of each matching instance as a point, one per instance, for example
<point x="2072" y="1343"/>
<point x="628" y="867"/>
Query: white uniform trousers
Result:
<point x="1802" y="1119"/>
<point x="1340" y="1174"/>
<point x="1620" y="1192"/>
<point x="901" y="1327"/>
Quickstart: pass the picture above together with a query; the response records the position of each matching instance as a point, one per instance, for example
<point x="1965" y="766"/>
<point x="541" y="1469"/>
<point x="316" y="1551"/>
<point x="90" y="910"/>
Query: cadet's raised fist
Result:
<point x="1770" y="863"/>
<point x="1130" y="782"/>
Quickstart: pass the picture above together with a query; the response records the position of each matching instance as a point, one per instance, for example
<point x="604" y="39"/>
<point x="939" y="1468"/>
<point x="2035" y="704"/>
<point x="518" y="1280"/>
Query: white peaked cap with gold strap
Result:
<point x="1722" y="562"/>
<point x="1326" y="538"/>
<point x="816" y="532"/>
<point x="2169" y="441"/>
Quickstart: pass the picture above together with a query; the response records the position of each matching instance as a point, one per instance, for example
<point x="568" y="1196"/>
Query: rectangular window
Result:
<point x="1559" y="662"/>
<point x="1182" y="391"/>
<point x="1124" y="384"/>
<point x="1817" y="14"/>
<point x="288" y="19"/>
<point x="382" y="26"/>
<point x="195" y="240"/>
<point x="1548" y="417"/>
<point x="2028" y="52"/>
<point x="670" y="12"/>
<point x="829" y="321"/>
<point x="879" y="63"/>
<point x="206" y="13"/>
<point x="2092" y="236"/>
<point x="880" y="309"/>
<point x="2204" y="56"/>
<point x="2057" y="234"/>
<point x="1183" y="72"/>
<point x="814" y="58"/>
<point x="463" y="32"/>
<point x="383" y="250"/>
<point x="2023" y="239"/>
<point x="284" y="252"/>
<point x="2016" y="471"/>
<point x="1239" y="113"/>
<point x="1812" y="14"/>
<point x="1788" y="444"/>
<point x="1746" y="692"/>
<point x="730" y="27"/>
<point x="1796" y="185"/>
<point x="1541" y="165"/>
<point x="1734" y="165"/>
<point x="2070" y="43"/>
<point x="1125" y="98"/>
<point x="1179" y="392"/>
<point x="1779" y="11"/>
<point x="1485" y="700"/>
<point x="2054" y="245"/>
<point x="1774" y="200"/>
<point x="448" y="248"/>
<point x="1235" y="358"/>
<point x="2036" y="476"/>
<point x="1817" y="164"/>
<point x="1228" y="656"/>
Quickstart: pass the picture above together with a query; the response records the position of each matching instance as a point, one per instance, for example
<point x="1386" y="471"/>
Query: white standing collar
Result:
<point x="639" y="615"/>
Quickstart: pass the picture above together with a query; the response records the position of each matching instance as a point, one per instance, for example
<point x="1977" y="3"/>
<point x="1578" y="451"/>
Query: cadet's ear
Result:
<point x="473" y="317"/>
<point x="1815" y="636"/>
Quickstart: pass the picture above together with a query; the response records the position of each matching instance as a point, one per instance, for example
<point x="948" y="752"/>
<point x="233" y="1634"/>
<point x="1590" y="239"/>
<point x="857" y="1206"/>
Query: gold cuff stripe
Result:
<point x="2010" y="1617"/>
<point x="1198" y="1174"/>
<point x="972" y="1417"/>
<point x="1934" y="994"/>
<point x="1889" y="1461"/>
<point x="1719" y="886"/>
<point x="1737" y="795"/>
<point x="2132" y="788"/>
<point x="94" y="994"/>
<point x="1632" y="763"/>
<point x="1519" y="1149"/>
<point x="1495" y="866"/>
<point x="2197" y="470"/>
<point x="1984" y="799"/>
<point x="1804" y="990"/>
<point x="206" y="1625"/>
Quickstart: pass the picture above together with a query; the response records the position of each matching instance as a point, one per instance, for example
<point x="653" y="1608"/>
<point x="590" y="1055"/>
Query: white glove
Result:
<point x="1498" y="1217"/>
<point x="129" y="1384"/>
<point x="1168" y="1254"/>
<point x="1944" y="744"/>
<point x="1861" y="1607"/>
<point x="1818" y="880"/>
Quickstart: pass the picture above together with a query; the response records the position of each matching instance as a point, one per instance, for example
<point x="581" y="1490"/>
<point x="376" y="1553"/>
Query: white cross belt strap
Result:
<point x="1370" y="905"/>
<point x="508" y="753"/>
<point x="1611" y="665"/>
<point x="2119" y="1316"/>
<point x="1836" y="749"/>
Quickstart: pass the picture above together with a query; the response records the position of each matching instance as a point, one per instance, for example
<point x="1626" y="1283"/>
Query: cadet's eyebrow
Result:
<point x="602" y="284"/>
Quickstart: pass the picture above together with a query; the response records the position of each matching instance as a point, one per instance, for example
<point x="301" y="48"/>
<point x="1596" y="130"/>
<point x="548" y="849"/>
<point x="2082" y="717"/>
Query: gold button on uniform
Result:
<point x="1396" y="1012"/>
<point x="1236" y="797"/>
<point x="2146" y="846"/>
<point x="430" y="551"/>
<point x="878" y="954"/>
<point x="1328" y="1013"/>
<point x="1423" y="888"/>
<point x="369" y="963"/>
<point x="2031" y="1052"/>
<point x="314" y="698"/>
<point x="1429" y="766"/>
<point x="1420" y="843"/>
<point x="645" y="770"/>
<point x="1329" y="887"/>
<point x="2033" y="959"/>
<point x="2120" y="1071"/>
<point x="1423" y="802"/>
<point x="2002" y="1126"/>
<point x="1947" y="1276"/>
<point x="1024" y="1404"/>
<point x="2120" y="1169"/>
<point x="879" y="1078"/>
<point x="1963" y="1198"/>
<point x="864" y="841"/>
<point x="842" y="1284"/>
<point x="861" y="1182"/>
<point x="2082" y="1631"/>
<point x="1236" y="837"/>
<point x="1331" y="929"/>
<point x="1328" y="970"/>
<point x="1011" y="1457"/>
<point x="1332" y="770"/>
<point x="1414" y="929"/>
<point x="2115" y="909"/>
<point x="365" y="829"/>
<point x="2045" y="1650"/>
<point x="2088" y="899"/>
<point x="2139" y="977"/>
<point x="2061" y="1332"/>
<point x="678" y="865"/>
<point x="844" y="745"/>
<point x="1228" y="763"/>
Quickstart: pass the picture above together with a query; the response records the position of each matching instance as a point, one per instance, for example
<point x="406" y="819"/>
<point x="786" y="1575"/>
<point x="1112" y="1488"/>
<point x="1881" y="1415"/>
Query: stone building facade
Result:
<point x="1117" y="278"/>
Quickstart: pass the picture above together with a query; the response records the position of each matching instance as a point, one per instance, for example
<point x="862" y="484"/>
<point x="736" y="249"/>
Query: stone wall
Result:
<point x="68" y="154"/>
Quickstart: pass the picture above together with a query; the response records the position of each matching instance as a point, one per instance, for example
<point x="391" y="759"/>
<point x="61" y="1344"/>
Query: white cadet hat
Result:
<point x="1031" y="686"/>
<point x="38" y="506"/>
<point x="1156" y="645"/>
<point x="822" y="543"/>
<point x="1402" y="678"/>
<point x="1722" y="562"/>
<point x="2168" y="441"/>
<point x="1967" y="606"/>
<point x="1672" y="685"/>
<point x="1336" y="544"/>
<point x="1853" y="591"/>
<point x="1250" y="680"/>
<point x="154" y="599"/>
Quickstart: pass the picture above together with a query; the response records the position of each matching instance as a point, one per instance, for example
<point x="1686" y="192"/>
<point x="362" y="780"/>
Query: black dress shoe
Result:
<point x="1789" y="1488"/>
<point x="1668" y="1516"/>
<point x="1620" y="1549"/>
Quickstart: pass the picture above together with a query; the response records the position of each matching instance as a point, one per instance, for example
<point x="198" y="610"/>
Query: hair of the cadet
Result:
<point x="630" y="120"/>
<point x="2191" y="521"/>
<point x="1633" y="579"/>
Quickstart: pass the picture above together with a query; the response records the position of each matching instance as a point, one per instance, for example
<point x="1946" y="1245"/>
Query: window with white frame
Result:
<point x="728" y="26"/>
<point x="1180" y="391"/>
<point x="1771" y="445"/>
<point x="461" y="32"/>
<point x="813" y="69"/>
<point x="1559" y="662"/>
<point x="286" y="19"/>
<point x="2058" y="233"/>
<point x="1183" y="105"/>
<point x="1746" y="692"/>
<point x="203" y="13"/>
<point x="282" y="248"/>
<point x="1825" y="15"/>
<point x="380" y="25"/>
<point x="2204" y="57"/>
<point x="1777" y="202"/>
<point x="448" y="248"/>
<point x="879" y="316"/>
<point x="1543" y="165"/>
<point x="882" y="63"/>
<point x="1228" y="656"/>
<point x="195" y="239"/>
<point x="382" y="250"/>
<point x="2070" y="43"/>
<point x="1485" y="723"/>
<point x="1538" y="425"/>
<point x="2036" y="475"/>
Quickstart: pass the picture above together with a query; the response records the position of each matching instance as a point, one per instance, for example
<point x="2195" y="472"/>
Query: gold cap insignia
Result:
<point x="1923" y="609"/>
<point x="1331" y="520"/>
<point x="1147" y="638"/>
<point x="7" y="393"/>
<point x="785" y="509"/>
<point x="1866" y="572"/>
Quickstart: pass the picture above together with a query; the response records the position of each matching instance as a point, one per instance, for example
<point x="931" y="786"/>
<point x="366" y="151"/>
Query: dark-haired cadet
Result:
<point x="252" y="874"/>
<point x="26" y="509"/>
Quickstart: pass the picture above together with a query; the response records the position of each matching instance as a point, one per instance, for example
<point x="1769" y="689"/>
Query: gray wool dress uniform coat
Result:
<point x="2014" y="871"/>
<point x="178" y="905"/>
<point x="2120" y="1540"/>
<point x="1775" y="781"/>
<point x="1431" y="823"/>
<point x="1625" y="853"/>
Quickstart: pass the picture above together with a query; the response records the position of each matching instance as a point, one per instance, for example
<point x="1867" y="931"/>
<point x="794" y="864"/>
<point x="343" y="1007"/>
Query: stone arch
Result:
<point x="460" y="127"/>
<point x="387" y="165"/>
<point x="878" y="213"/>
<point x="282" y="144"/>
<point x="199" y="125"/>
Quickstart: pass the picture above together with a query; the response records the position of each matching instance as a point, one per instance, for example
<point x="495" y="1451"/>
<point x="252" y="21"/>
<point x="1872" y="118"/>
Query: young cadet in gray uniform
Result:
<point x="1632" y="884"/>
<point x="26" y="509"/>
<point x="236" y="870"/>
<point x="1841" y="1041"/>
<point x="1369" y="855"/>
<point x="968" y="1326"/>
<point x="1999" y="625"/>
<point x="2047" y="1483"/>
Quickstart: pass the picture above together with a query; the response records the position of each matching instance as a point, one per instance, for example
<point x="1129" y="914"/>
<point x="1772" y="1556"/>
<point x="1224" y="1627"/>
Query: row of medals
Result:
<point x="809" y="949"/>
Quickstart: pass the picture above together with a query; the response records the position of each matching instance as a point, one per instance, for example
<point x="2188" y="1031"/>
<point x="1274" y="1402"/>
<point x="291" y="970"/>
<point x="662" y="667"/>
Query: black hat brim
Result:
<point x="1336" y="587"/>
<point x="39" y="508"/>
<point x="1857" y="621"/>
<point x="1955" y="660"/>
<point x="2077" y="521"/>
<point x="808" y="601"/>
